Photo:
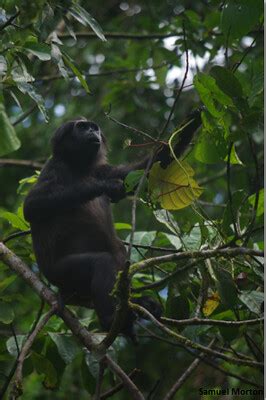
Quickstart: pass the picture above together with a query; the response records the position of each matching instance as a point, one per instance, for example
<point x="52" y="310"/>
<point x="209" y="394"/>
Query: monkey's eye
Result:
<point x="86" y="126"/>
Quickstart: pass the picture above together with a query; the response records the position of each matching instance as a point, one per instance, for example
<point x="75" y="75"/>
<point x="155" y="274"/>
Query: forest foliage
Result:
<point x="139" y="69"/>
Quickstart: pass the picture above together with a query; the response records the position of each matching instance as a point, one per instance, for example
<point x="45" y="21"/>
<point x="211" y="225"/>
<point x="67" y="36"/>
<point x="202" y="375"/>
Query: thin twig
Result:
<point x="153" y="248"/>
<point x="131" y="128"/>
<point x="26" y="348"/>
<point x="230" y="198"/>
<point x="204" y="359"/>
<point x="189" y="343"/>
<point x="132" y="388"/>
<point x="182" y="84"/>
<point x="8" y="162"/>
<point x="48" y="78"/>
<point x="119" y="35"/>
<point x="9" y="21"/>
<point x="119" y="386"/>
<point x="248" y="231"/>
<point x="200" y="254"/>
<point x="215" y="322"/>
<point x="206" y="180"/>
<point x="16" y="235"/>
<point x="186" y="374"/>
<point x="25" y="114"/>
<point x="250" y="47"/>
<point x="99" y="380"/>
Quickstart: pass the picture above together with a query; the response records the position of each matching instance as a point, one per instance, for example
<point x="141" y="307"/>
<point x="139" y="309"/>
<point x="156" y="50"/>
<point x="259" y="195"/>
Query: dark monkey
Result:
<point x="69" y="211"/>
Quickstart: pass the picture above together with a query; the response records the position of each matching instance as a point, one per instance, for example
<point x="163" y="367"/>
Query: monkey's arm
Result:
<point x="49" y="199"/>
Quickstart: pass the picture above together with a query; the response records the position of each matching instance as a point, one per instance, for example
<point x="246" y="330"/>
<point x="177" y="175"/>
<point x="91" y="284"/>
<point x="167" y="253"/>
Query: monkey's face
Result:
<point x="79" y="141"/>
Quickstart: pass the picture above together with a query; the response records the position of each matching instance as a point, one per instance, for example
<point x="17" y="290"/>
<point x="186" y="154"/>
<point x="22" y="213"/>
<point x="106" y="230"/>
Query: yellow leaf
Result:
<point x="173" y="187"/>
<point x="211" y="304"/>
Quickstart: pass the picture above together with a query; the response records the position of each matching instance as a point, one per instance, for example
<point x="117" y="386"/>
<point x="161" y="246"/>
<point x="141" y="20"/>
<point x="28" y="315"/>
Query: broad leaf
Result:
<point x="253" y="300"/>
<point x="66" y="346"/>
<point x="40" y="50"/>
<point x="76" y="72"/>
<point x="240" y="16"/>
<point x="86" y="19"/>
<point x="252" y="199"/>
<point x="173" y="187"/>
<point x="8" y="139"/>
<point x="14" y="220"/>
<point x="211" y="304"/>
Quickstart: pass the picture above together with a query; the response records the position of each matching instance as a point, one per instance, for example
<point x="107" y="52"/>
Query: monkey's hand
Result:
<point x="115" y="190"/>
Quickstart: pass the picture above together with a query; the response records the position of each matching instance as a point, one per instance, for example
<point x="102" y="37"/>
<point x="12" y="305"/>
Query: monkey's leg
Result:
<point x="88" y="276"/>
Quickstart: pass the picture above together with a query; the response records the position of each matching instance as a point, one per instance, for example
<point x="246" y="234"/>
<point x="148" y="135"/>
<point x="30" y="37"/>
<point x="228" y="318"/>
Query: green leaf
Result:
<point x="57" y="58"/>
<point x="8" y="139"/>
<point x="88" y="380"/>
<point x="227" y="82"/>
<point x="14" y="220"/>
<point x="3" y="66"/>
<point x="66" y="346"/>
<point x="210" y="84"/>
<point x="7" y="282"/>
<point x="28" y="89"/>
<point x="76" y="72"/>
<point x="211" y="146"/>
<point x="11" y="344"/>
<point x="132" y="179"/>
<point x="206" y="97"/>
<point x="173" y="240"/>
<point x="253" y="300"/>
<point x="92" y="363"/>
<point x="252" y="199"/>
<point x="40" y="50"/>
<point x="6" y="313"/>
<point x="234" y="159"/>
<point x="192" y="241"/>
<point x="240" y="16"/>
<point x="177" y="307"/>
<point x="144" y="238"/>
<point x="166" y="218"/>
<point x="86" y="19"/>
<point x="122" y="226"/>
<point x="226" y="287"/>
<point x="43" y="366"/>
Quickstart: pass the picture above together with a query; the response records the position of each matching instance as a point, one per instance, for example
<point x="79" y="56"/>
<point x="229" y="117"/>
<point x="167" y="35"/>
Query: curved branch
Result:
<point x="25" y="350"/>
<point x="203" y="321"/>
<point x="10" y="162"/>
<point x="190" y="344"/>
<point x="119" y="35"/>
<point x="200" y="255"/>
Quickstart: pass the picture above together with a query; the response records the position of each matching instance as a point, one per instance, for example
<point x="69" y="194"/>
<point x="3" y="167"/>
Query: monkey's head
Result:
<point x="79" y="142"/>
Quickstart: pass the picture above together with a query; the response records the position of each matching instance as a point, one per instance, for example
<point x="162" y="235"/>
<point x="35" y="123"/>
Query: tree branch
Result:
<point x="201" y="254"/>
<point x="9" y="21"/>
<point x="17" y="388"/>
<point x="119" y="35"/>
<point x="189" y="371"/>
<point x="103" y="73"/>
<point x="117" y="388"/>
<point x="216" y="322"/>
<point x="189" y="343"/>
<point x="9" y="162"/>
